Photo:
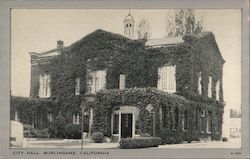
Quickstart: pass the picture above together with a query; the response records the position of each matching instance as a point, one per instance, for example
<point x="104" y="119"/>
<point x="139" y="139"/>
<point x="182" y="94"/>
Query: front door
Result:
<point x="126" y="125"/>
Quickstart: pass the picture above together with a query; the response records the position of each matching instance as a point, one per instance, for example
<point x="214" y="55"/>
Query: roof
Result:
<point x="163" y="41"/>
<point x="53" y="52"/>
<point x="129" y="18"/>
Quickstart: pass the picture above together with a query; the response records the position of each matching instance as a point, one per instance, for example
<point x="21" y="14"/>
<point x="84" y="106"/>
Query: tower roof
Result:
<point x="129" y="18"/>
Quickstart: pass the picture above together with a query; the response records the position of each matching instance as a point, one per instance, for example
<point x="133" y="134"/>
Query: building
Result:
<point x="170" y="87"/>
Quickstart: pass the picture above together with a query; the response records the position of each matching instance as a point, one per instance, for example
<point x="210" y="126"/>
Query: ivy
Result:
<point x="119" y="55"/>
<point x="106" y="100"/>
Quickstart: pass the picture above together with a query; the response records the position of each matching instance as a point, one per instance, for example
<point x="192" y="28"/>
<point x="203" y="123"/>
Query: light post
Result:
<point x="150" y="109"/>
<point x="85" y="102"/>
<point x="83" y="108"/>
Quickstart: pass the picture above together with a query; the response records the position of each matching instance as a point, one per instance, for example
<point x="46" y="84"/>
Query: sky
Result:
<point x="37" y="30"/>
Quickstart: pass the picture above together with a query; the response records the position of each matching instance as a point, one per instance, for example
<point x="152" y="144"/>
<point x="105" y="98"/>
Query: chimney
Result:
<point x="59" y="44"/>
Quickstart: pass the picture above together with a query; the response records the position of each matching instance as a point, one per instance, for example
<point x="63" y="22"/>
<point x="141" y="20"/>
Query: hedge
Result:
<point x="32" y="111"/>
<point x="143" y="142"/>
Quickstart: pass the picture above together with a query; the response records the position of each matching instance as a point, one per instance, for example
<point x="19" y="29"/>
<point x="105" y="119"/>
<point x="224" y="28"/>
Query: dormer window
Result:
<point x="167" y="81"/>
<point x="44" y="86"/>
<point x="97" y="81"/>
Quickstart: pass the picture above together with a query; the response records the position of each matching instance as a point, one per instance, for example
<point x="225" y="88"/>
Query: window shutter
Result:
<point x="40" y="85"/>
<point x="48" y="86"/>
<point x="159" y="84"/>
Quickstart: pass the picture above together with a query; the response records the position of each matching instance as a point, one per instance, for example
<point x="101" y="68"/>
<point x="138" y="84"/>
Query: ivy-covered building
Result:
<point x="170" y="87"/>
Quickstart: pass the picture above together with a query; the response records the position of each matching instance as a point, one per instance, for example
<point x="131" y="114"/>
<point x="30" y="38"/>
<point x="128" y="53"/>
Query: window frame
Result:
<point x="163" y="72"/>
<point x="77" y="86"/>
<point x="44" y="86"/>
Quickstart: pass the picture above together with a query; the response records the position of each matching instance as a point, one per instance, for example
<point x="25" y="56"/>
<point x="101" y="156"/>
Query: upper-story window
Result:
<point x="97" y="81"/>
<point x="77" y="86"/>
<point x="166" y="81"/>
<point x="217" y="90"/>
<point x="209" y="93"/>
<point x="50" y="117"/>
<point x="122" y="79"/>
<point x="44" y="86"/>
<point x="199" y="83"/>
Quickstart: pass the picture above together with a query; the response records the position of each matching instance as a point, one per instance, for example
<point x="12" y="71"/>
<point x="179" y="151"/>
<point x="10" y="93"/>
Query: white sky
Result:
<point x="37" y="30"/>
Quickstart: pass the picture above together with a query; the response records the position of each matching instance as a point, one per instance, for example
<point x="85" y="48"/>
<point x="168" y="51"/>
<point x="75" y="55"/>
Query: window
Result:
<point x="176" y="119"/>
<point x="202" y="123"/>
<point x="50" y="117"/>
<point x="77" y="87"/>
<point x="217" y="124"/>
<point x="76" y="119"/>
<point x="116" y="124"/>
<point x="98" y="81"/>
<point x="166" y="81"/>
<point x="209" y="122"/>
<point x="184" y="121"/>
<point x="199" y="83"/>
<point x="122" y="81"/>
<point x="209" y="87"/>
<point x="44" y="86"/>
<point x="16" y="116"/>
<point x="217" y="90"/>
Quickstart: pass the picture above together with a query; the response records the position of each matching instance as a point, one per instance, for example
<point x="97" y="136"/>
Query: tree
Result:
<point x="143" y="29"/>
<point x="183" y="22"/>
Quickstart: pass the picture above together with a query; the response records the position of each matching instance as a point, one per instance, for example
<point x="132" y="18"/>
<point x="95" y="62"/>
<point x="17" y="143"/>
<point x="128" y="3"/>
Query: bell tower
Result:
<point x="129" y="24"/>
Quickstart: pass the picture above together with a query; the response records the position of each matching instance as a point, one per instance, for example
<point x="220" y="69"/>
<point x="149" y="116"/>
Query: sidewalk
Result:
<point x="232" y="143"/>
<point x="67" y="143"/>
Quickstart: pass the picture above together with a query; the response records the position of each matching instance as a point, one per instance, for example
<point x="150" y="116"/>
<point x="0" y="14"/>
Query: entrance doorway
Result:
<point x="126" y="125"/>
<point x="123" y="122"/>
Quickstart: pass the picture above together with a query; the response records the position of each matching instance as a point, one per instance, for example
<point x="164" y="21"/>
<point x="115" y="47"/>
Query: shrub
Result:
<point x="97" y="137"/>
<point x="142" y="142"/>
<point x="224" y="139"/>
<point x="29" y="131"/>
<point x="145" y="135"/>
<point x="57" y="128"/>
<point x="44" y="133"/>
<point x="73" y="131"/>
